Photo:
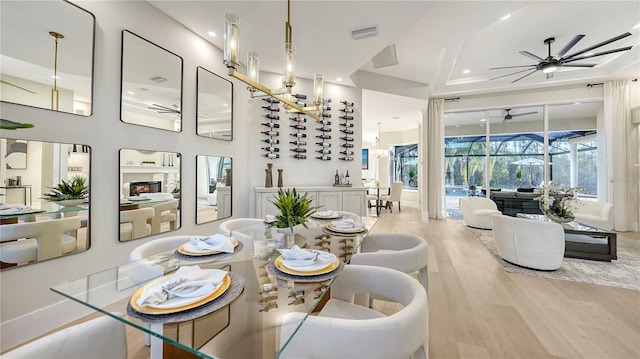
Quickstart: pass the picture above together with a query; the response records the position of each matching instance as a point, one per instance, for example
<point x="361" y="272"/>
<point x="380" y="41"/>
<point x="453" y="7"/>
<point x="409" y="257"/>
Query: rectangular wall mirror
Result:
<point x="47" y="55"/>
<point x="214" y="182"/>
<point x="44" y="195"/>
<point x="215" y="106"/>
<point x="151" y="84"/>
<point x="149" y="193"/>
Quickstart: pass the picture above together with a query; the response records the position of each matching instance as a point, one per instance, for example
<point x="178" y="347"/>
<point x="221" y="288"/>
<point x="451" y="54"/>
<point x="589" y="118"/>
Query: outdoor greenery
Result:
<point x="293" y="208"/>
<point x="76" y="188"/>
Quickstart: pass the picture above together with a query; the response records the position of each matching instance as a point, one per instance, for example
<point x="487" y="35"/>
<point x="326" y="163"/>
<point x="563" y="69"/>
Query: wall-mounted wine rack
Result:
<point x="271" y="127"/>
<point x="323" y="127"/>
<point x="299" y="126"/>
<point x="346" y="131"/>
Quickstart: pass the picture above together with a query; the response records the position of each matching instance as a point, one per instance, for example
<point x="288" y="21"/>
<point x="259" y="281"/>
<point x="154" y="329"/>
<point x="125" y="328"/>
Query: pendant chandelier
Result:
<point x="231" y="49"/>
<point x="379" y="152"/>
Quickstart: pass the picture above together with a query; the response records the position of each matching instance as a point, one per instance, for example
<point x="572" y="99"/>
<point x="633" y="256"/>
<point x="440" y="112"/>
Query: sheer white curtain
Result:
<point x="435" y="159"/>
<point x="622" y="152"/>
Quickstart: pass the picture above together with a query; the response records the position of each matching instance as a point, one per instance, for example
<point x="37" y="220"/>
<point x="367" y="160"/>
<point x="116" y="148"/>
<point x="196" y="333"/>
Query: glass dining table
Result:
<point x="244" y="320"/>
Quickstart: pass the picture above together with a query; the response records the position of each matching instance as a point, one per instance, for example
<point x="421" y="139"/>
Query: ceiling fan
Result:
<point x="550" y="64"/>
<point x="508" y="116"/>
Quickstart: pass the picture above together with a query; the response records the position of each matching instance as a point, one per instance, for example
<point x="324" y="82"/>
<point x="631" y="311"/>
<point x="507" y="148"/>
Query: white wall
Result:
<point x="29" y="310"/>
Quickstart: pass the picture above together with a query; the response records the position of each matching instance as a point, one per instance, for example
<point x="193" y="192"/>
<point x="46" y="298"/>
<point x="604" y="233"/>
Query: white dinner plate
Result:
<point x="328" y="259"/>
<point x="177" y="302"/>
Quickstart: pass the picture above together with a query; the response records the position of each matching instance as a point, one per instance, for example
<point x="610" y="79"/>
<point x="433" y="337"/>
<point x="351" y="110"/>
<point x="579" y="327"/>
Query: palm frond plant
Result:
<point x="294" y="209"/>
<point x="75" y="188"/>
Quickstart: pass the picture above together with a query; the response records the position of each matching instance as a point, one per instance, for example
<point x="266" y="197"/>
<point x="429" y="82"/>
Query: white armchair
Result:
<point x="28" y="242"/>
<point x="595" y="214"/>
<point x="477" y="211"/>
<point x="165" y="212"/>
<point x="135" y="223"/>
<point x="529" y="243"/>
<point x="343" y="329"/>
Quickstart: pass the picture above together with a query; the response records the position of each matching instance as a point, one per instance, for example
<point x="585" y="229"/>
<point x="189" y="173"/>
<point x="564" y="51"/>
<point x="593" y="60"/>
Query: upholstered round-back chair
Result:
<point x="529" y="243"/>
<point x="230" y="228"/>
<point x="477" y="211"/>
<point x="344" y="329"/>
<point x="135" y="223"/>
<point x="144" y="264"/>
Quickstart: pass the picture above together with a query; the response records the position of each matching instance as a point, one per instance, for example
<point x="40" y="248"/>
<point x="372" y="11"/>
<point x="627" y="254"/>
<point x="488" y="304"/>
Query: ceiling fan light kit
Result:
<point x="552" y="63"/>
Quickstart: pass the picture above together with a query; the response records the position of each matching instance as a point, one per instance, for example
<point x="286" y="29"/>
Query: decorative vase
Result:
<point x="268" y="181"/>
<point x="280" y="179"/>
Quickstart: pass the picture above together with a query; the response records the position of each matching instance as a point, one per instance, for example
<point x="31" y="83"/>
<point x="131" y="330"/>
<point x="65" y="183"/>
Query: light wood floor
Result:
<point x="477" y="310"/>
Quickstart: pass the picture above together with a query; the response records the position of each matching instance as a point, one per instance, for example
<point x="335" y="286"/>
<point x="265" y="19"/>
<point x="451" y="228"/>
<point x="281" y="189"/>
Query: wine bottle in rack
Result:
<point x="347" y="145"/>
<point x="326" y="101"/>
<point x="346" y="158"/>
<point x="348" y="132"/>
<point x="324" y="158"/>
<point x="346" y="103"/>
<point x="271" y="117"/>
<point x="299" y="157"/>
<point x="298" y="119"/>
<point x="298" y="143"/>
<point x="298" y="127"/>
<point x="300" y="103"/>
<point x="324" y="129"/>
<point x="271" y="155"/>
<point x="271" y="141"/>
<point x="324" y="151"/>
<point x="270" y="133"/>
<point x="326" y="108"/>
<point x="346" y="153"/>
<point x="299" y="135"/>
<point x="346" y="124"/>
<point x="326" y="115"/>
<point x="271" y="108"/>
<point x="299" y="96"/>
<point x="345" y="117"/>
<point x="347" y="138"/>
<point x="270" y="100"/>
<point x="298" y="150"/>
<point x="271" y="149"/>
<point x="323" y="144"/>
<point x="324" y="137"/>
<point x="270" y="124"/>
<point x="324" y="122"/>
<point x="346" y="110"/>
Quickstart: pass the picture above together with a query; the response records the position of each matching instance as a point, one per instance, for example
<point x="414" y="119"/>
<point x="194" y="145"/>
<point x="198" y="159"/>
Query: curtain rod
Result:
<point x="602" y="83"/>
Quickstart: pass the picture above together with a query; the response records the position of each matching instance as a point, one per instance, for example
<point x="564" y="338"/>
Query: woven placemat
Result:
<point x="271" y="269"/>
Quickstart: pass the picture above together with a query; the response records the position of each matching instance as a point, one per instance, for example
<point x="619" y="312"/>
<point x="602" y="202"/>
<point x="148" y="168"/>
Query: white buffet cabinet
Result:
<point x="350" y="199"/>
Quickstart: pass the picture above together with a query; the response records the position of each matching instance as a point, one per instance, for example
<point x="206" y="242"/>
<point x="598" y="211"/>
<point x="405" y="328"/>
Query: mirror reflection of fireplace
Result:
<point x="135" y="188"/>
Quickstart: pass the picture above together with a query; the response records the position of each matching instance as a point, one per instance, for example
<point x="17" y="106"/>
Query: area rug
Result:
<point x="623" y="272"/>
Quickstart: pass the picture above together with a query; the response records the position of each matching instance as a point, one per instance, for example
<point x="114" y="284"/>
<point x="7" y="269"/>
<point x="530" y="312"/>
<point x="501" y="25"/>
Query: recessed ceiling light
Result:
<point x="131" y="92"/>
<point x="457" y="126"/>
<point x="483" y="120"/>
<point x="505" y="17"/>
<point x="466" y="71"/>
<point x="211" y="33"/>
<point x="225" y="104"/>
<point x="577" y="103"/>
<point x="158" y="79"/>
<point x="339" y="79"/>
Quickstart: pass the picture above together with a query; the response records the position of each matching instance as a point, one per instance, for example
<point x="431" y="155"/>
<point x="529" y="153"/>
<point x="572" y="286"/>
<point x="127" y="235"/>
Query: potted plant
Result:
<point x="472" y="190"/>
<point x="558" y="202"/>
<point x="69" y="193"/>
<point x="294" y="209"/>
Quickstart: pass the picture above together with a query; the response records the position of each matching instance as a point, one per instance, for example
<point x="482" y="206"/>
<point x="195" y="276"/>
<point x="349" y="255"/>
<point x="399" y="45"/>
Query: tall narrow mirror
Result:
<point x="149" y="193"/>
<point x="151" y="84"/>
<point x="45" y="190"/>
<point x="47" y="55"/>
<point x="214" y="182"/>
<point x="215" y="106"/>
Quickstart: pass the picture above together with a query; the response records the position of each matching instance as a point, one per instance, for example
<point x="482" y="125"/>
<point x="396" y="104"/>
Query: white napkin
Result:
<point x="347" y="223"/>
<point x="14" y="209"/>
<point x="325" y="213"/>
<point x="269" y="218"/>
<point x="297" y="257"/>
<point x="217" y="242"/>
<point x="187" y="282"/>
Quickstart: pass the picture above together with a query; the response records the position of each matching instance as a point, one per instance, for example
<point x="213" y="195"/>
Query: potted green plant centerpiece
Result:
<point x="69" y="193"/>
<point x="294" y="209"/>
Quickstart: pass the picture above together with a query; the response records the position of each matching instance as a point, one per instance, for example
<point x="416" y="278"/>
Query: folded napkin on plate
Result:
<point x="325" y="213"/>
<point x="187" y="282"/>
<point x="14" y="209"/>
<point x="297" y="257"/>
<point x="347" y="223"/>
<point x="217" y="242"/>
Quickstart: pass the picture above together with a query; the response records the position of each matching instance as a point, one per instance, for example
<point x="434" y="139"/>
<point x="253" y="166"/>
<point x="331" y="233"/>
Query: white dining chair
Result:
<point x="403" y="252"/>
<point x="102" y="337"/>
<point x="394" y="196"/>
<point x="343" y="329"/>
<point x="35" y="241"/>
<point x="165" y="212"/>
<point x="230" y="228"/>
<point x="135" y="223"/>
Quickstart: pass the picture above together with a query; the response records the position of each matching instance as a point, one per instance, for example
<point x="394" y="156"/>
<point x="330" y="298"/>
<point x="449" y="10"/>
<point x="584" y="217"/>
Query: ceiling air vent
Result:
<point x="364" y="33"/>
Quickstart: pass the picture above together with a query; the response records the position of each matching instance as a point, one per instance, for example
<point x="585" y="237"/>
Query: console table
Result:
<point x="350" y="199"/>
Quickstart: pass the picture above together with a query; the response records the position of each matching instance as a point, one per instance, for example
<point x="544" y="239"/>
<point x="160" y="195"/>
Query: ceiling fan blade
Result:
<point x="525" y="113"/>
<point x="549" y="75"/>
<point x="513" y="73"/>
<point x="598" y="45"/>
<point x="510" y="67"/>
<point x="520" y="78"/>
<point x="578" y="65"/>
<point x="597" y="54"/>
<point x="569" y="45"/>
<point x="531" y="56"/>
